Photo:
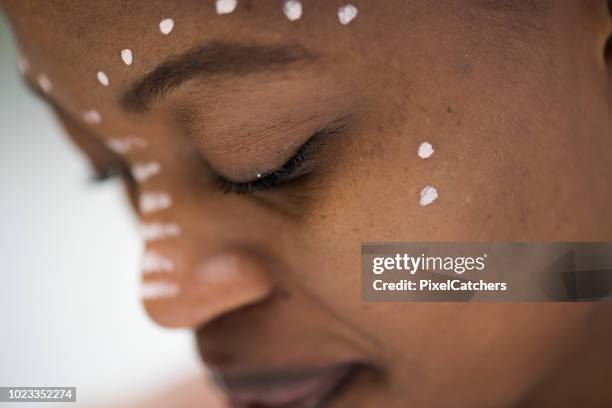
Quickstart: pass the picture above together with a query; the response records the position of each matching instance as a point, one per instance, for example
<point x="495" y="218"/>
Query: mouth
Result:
<point x="305" y="388"/>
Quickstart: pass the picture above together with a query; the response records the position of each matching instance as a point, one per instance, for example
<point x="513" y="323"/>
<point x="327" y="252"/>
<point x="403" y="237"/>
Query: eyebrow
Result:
<point x="208" y="61"/>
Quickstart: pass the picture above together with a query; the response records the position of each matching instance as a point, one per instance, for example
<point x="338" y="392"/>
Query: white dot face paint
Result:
<point x="127" y="57"/>
<point x="158" y="290"/>
<point x="429" y="194"/>
<point x="102" y="78"/>
<point x="92" y="116"/>
<point x="23" y="65"/>
<point x="426" y="150"/>
<point x="129" y="144"/>
<point x="144" y="171"/>
<point x="347" y="13"/>
<point x="44" y="83"/>
<point x="292" y="9"/>
<point x="159" y="231"/>
<point x="154" y="201"/>
<point x="225" y="6"/>
<point x="152" y="262"/>
<point x="166" y="26"/>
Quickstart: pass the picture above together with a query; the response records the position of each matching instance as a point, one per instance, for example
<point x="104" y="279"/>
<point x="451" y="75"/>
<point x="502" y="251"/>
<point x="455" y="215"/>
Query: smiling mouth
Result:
<point x="305" y="388"/>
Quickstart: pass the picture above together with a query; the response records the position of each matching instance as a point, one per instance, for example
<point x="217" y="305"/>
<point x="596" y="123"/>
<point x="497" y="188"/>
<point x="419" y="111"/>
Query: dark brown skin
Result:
<point x="516" y="97"/>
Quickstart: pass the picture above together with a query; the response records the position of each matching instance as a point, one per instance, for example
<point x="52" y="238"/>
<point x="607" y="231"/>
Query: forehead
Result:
<point x="70" y="42"/>
<point x="110" y="24"/>
<point x="77" y="39"/>
<point x="68" y="38"/>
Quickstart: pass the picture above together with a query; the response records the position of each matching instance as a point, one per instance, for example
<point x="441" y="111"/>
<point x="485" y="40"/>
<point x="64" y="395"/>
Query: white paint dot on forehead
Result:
<point x="425" y="150"/>
<point x="347" y="13"/>
<point x="144" y="171"/>
<point x="44" y="83"/>
<point x="429" y="194"/>
<point x="292" y="9"/>
<point x="123" y="146"/>
<point x="151" y="202"/>
<point x="225" y="6"/>
<point x="127" y="56"/>
<point x="23" y="65"/>
<point x="92" y="116"/>
<point x="102" y="78"/>
<point x="157" y="231"/>
<point x="153" y="262"/>
<point x="158" y="290"/>
<point x="166" y="26"/>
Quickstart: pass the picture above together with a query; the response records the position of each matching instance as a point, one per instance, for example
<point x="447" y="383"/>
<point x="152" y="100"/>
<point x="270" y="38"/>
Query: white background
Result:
<point x="69" y="253"/>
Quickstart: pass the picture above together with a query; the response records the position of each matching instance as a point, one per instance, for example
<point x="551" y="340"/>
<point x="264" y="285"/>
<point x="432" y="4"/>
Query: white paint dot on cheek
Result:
<point x="123" y="146"/>
<point x="425" y="150"/>
<point x="127" y="56"/>
<point x="92" y="116"/>
<point x="102" y="78"/>
<point x="151" y="202"/>
<point x="23" y="65"/>
<point x="144" y="171"/>
<point x="153" y="262"/>
<point x="347" y="13"/>
<point x="158" y="290"/>
<point x="429" y="194"/>
<point x="44" y="83"/>
<point x="292" y="9"/>
<point x="157" y="231"/>
<point x="166" y="26"/>
<point x="225" y="6"/>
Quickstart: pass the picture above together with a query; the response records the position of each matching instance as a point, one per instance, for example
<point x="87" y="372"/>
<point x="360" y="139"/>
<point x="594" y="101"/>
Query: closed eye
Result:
<point x="300" y="164"/>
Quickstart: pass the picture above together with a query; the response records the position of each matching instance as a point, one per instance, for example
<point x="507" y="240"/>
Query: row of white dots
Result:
<point x="429" y="194"/>
<point x="291" y="8"/>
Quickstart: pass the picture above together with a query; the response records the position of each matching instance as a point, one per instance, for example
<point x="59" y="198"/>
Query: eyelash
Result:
<point x="284" y="174"/>
<point x="273" y="179"/>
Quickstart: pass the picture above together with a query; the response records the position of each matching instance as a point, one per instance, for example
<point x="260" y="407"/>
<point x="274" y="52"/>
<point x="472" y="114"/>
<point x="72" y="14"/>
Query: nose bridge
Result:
<point x="187" y="281"/>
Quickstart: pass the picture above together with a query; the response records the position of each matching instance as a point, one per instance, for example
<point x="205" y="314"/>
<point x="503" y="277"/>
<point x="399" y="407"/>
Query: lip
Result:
<point x="303" y="388"/>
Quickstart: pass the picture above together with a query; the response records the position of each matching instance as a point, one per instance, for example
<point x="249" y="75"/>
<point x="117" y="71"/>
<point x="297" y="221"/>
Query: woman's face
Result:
<point x="260" y="152"/>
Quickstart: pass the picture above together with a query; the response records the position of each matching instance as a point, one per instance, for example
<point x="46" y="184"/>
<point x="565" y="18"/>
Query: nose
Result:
<point x="179" y="293"/>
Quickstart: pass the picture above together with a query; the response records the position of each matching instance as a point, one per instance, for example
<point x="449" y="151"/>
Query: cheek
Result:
<point x="474" y="346"/>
